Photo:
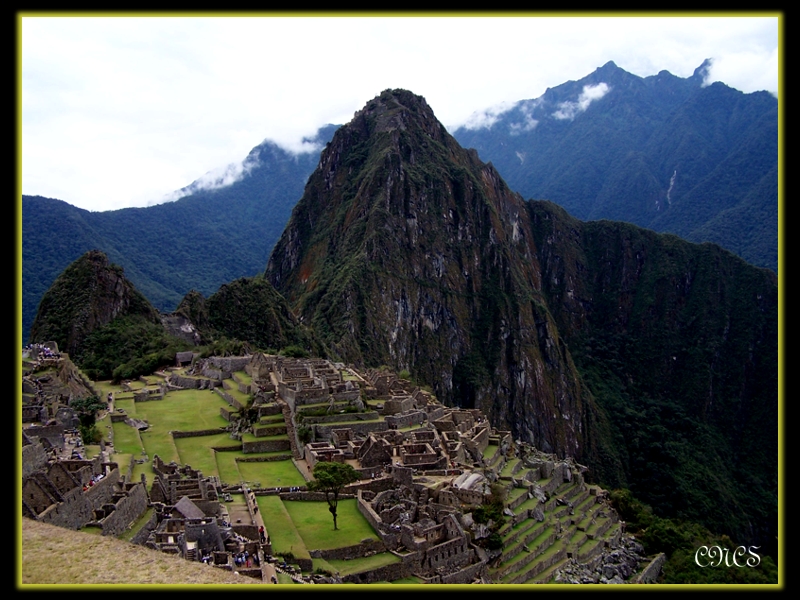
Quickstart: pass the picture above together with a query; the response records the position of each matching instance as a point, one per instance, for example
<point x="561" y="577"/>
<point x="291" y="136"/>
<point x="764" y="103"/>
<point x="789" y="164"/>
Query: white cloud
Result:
<point x="484" y="119"/>
<point x="590" y="93"/>
<point x="527" y="123"/>
<point x="748" y="70"/>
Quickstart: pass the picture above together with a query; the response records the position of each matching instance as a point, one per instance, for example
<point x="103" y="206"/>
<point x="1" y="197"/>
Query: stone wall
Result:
<point x="199" y="433"/>
<point x="467" y="574"/>
<point x="229" y="399"/>
<point x="406" y="419"/>
<point x="338" y="418"/>
<point x="358" y="551"/>
<point x="365" y="508"/>
<point x="652" y="571"/>
<point x="323" y="432"/>
<point x="127" y="509"/>
<point x="230" y="363"/>
<point x="34" y="458"/>
<point x="53" y="433"/>
<point x="269" y="430"/>
<point x="73" y="512"/>
<point x="141" y="536"/>
<point x="266" y="446"/>
<point x="192" y="383"/>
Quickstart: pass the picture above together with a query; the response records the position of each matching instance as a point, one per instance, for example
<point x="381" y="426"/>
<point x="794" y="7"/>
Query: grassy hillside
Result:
<point x="89" y="559"/>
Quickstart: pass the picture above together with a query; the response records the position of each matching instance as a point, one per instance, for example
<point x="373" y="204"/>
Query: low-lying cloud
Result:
<point x="590" y="93"/>
<point x="527" y="123"/>
<point x="484" y="119"/>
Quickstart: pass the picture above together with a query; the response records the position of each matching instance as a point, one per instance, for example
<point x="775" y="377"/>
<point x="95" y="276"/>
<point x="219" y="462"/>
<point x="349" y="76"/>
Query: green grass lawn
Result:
<point x="281" y="529"/>
<point x="126" y="439"/>
<point x="315" y="524"/>
<point x="126" y="404"/>
<point x="280" y="473"/>
<point x="198" y="453"/>
<point x="233" y="391"/>
<point x="243" y="377"/>
<point x="183" y="410"/>
<point x="490" y="451"/>
<point x="160" y="443"/>
<point x="226" y="467"/>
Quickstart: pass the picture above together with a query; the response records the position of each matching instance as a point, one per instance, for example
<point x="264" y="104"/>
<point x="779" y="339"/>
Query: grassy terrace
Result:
<point x="515" y="493"/>
<point x="249" y="437"/>
<point x="233" y="391"/>
<point x="242" y="377"/>
<point x="294" y="527"/>
<point x="284" y="536"/>
<point x="490" y="451"/>
<point x="358" y="565"/>
<point x="546" y="575"/>
<point x="508" y="468"/>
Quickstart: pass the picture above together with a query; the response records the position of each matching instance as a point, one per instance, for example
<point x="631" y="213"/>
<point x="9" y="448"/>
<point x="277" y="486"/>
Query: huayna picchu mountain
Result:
<point x="406" y="250"/>
<point x="649" y="358"/>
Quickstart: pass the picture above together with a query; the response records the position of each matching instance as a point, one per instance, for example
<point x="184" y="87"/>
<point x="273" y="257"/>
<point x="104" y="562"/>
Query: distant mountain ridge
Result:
<point x="663" y="152"/>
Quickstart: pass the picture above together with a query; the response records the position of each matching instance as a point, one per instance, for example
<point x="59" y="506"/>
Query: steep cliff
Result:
<point x="678" y="343"/>
<point x="406" y="250"/>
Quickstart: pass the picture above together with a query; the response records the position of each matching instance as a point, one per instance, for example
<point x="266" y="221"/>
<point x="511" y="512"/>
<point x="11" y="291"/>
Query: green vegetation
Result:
<point x="331" y="478"/>
<point x="126" y="348"/>
<point x="491" y="513"/>
<point x="681" y="540"/>
<point x="314" y="525"/>
<point x="87" y="409"/>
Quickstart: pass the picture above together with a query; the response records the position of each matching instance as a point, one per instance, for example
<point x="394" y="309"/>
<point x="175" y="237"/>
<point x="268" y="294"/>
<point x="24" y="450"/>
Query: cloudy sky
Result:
<point x="120" y="111"/>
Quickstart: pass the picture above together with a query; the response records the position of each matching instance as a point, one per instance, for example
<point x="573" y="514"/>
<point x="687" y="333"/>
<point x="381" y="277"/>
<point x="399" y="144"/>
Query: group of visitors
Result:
<point x="92" y="481"/>
<point x="245" y="559"/>
<point x="40" y="351"/>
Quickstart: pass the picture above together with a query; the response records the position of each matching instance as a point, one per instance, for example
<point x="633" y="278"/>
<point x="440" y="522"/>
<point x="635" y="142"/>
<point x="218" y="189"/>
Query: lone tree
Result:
<point x="331" y="478"/>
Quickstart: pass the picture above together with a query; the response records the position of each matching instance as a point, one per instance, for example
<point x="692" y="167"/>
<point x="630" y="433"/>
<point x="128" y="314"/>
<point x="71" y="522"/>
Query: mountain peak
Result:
<point x="701" y="72"/>
<point x="395" y="109"/>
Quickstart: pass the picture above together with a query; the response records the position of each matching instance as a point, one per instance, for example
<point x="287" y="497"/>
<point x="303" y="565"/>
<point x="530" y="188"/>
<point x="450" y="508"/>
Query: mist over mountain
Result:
<point x="664" y="152"/>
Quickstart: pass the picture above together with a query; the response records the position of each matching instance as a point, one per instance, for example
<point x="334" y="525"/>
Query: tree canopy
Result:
<point x="331" y="478"/>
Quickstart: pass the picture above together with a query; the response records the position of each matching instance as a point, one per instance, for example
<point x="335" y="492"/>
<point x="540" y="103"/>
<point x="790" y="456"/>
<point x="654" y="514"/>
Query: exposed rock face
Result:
<point x="407" y="250"/>
<point x="182" y="328"/>
<point x="90" y="293"/>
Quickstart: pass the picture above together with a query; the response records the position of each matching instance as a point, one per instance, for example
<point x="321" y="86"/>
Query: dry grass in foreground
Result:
<point x="58" y="556"/>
